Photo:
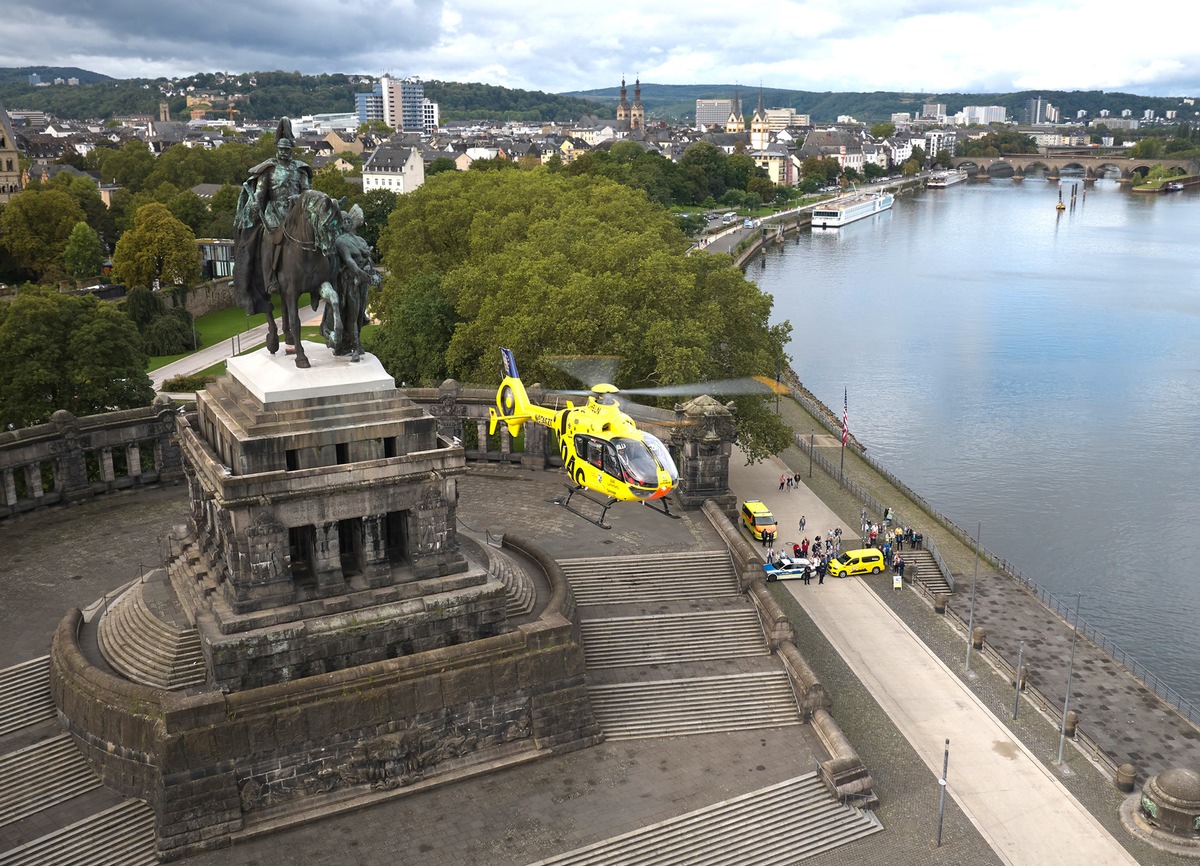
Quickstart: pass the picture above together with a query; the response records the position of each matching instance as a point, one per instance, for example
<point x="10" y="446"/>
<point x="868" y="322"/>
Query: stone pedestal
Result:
<point x="319" y="496"/>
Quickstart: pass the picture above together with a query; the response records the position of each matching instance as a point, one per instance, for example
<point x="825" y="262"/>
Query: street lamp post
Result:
<point x="1062" y="733"/>
<point x="974" y="583"/>
<point x="942" y="799"/>
<point x="1017" y="687"/>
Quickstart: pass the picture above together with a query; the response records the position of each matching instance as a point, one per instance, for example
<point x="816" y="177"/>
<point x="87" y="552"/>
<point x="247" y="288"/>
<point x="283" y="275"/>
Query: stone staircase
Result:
<point x="144" y="648"/>
<point x="695" y="705"/>
<point x="40" y="776"/>
<point x="122" y="835"/>
<point x="25" y="695"/>
<point x="669" y="577"/>
<point x="672" y="638"/>
<point x="45" y="783"/>
<point x="927" y="571"/>
<point x="783" y="823"/>
<point x="673" y="648"/>
<point x="519" y="592"/>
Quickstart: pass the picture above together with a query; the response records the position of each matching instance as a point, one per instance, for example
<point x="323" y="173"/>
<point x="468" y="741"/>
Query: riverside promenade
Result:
<point x="1011" y="797"/>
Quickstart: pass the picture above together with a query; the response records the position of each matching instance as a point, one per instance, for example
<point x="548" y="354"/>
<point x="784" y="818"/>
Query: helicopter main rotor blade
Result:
<point x="745" y="385"/>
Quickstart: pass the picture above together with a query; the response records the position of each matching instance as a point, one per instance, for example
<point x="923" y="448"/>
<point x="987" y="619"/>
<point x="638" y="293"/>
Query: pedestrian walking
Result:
<point x="803" y="521"/>
<point x="770" y="556"/>
<point x="820" y="572"/>
<point x="782" y="481"/>
<point x="789" y="484"/>
<point x="804" y="547"/>
<point x="808" y="569"/>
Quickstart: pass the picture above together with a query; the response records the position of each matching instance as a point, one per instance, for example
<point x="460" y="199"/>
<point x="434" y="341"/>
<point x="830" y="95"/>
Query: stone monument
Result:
<point x="347" y="645"/>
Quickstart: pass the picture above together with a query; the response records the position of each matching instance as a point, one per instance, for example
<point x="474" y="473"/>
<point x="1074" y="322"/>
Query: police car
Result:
<point x="786" y="568"/>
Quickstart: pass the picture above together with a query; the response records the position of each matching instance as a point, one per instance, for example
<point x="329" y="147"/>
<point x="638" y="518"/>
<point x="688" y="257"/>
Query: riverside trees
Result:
<point x="553" y="265"/>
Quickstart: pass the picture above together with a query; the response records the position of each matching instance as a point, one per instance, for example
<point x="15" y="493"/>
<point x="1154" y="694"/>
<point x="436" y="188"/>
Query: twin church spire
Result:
<point x="631" y="117"/>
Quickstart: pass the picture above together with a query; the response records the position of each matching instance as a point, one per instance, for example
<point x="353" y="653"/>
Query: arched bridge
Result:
<point x="1092" y="167"/>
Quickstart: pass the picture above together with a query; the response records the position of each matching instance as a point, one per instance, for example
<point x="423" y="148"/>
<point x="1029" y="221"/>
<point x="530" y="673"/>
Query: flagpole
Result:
<point x="845" y="434"/>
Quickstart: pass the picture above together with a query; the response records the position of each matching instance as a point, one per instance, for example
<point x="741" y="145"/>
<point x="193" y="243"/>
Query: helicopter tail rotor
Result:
<point x="512" y="402"/>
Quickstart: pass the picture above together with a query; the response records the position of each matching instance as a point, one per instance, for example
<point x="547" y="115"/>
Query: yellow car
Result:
<point x="757" y="518"/>
<point x="864" y="561"/>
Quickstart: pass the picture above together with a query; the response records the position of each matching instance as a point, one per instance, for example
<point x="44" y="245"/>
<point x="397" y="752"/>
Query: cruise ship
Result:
<point x="946" y="178"/>
<point x="843" y="211"/>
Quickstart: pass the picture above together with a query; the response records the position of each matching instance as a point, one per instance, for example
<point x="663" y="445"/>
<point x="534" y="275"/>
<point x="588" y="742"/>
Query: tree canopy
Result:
<point x="66" y="352"/>
<point x="35" y="227"/>
<point x="554" y="265"/>
<point x="158" y="248"/>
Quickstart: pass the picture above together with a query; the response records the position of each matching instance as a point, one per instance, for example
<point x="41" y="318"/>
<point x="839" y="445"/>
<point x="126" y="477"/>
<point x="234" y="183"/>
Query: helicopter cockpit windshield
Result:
<point x="662" y="455"/>
<point x="637" y="463"/>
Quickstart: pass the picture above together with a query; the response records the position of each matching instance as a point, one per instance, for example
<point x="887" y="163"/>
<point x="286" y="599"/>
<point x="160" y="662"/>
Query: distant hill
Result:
<point x="268" y="95"/>
<point x="678" y="101"/>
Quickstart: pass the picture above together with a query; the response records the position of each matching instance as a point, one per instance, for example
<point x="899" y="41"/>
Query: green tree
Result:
<point x="158" y="249"/>
<point x="332" y="182"/>
<point x="221" y="209"/>
<point x="377" y="206"/>
<point x="943" y="159"/>
<point x="67" y="352"/>
<point x="84" y="252"/>
<point x="1149" y="148"/>
<point x="883" y="130"/>
<point x="142" y="306"/>
<point x="552" y="265"/>
<point x="35" y="227"/>
<point x="128" y="166"/>
<point x="442" y="163"/>
<point x="873" y="171"/>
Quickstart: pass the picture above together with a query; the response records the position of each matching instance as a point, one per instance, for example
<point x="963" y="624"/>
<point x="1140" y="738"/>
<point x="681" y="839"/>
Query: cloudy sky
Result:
<point x="863" y="45"/>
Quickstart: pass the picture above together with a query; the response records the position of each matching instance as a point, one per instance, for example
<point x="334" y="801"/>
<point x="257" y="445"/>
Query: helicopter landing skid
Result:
<point x="666" y="509"/>
<point x="604" y="505"/>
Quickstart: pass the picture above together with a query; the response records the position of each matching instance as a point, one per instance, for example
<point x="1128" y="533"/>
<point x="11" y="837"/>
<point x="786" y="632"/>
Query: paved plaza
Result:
<point x="61" y="558"/>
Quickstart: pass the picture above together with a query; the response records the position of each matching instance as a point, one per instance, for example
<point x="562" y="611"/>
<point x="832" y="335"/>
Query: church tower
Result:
<point x="736" y="122"/>
<point x="760" y="131"/>
<point x="637" y="116"/>
<point x="623" y="109"/>
<point x="10" y="160"/>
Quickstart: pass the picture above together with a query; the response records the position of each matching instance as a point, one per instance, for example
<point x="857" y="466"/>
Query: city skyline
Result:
<point x="927" y="46"/>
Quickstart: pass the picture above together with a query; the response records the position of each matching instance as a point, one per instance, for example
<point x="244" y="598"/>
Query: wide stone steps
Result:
<point x="664" y="577"/>
<point x="520" y="594"/>
<point x="698" y="705"/>
<point x="25" y="697"/>
<point x="780" y="824"/>
<point x="147" y="650"/>
<point x="40" y="776"/>
<point x="120" y="836"/>
<point x="672" y="638"/>
<point x="927" y="571"/>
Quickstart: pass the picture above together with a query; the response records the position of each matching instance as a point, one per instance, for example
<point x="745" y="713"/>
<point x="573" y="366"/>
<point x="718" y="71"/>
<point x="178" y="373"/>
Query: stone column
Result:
<point x="10" y="487"/>
<point x="107" y="474"/>
<point x="376" y="568"/>
<point x="33" y="480"/>
<point x="133" y="459"/>
<point x="481" y="428"/>
<point x="327" y="560"/>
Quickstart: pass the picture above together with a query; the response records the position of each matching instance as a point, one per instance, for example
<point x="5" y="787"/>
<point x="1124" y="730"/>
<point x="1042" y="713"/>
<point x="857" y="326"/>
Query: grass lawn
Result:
<point x="223" y="324"/>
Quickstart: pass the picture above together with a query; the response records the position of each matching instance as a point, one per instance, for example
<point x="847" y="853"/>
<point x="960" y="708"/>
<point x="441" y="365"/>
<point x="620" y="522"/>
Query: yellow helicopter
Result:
<point x="601" y="447"/>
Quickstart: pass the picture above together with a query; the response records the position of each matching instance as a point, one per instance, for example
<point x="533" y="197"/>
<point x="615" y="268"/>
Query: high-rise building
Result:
<point x="984" y="114"/>
<point x="400" y="103"/>
<point x="933" y="110"/>
<point x="712" y="112"/>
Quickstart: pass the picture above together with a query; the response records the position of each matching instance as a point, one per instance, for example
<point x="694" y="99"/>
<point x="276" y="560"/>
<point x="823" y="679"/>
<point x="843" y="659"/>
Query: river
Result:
<point x="1032" y="372"/>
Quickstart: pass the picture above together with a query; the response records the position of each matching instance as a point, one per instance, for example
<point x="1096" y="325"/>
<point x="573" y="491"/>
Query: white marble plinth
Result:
<point x="277" y="379"/>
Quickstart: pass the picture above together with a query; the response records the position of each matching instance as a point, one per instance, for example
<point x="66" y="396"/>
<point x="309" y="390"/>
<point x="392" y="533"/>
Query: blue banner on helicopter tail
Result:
<point x="509" y="363"/>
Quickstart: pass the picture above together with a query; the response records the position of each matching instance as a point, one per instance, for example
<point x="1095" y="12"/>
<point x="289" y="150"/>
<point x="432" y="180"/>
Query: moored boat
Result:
<point x="843" y="211"/>
<point x="942" y="179"/>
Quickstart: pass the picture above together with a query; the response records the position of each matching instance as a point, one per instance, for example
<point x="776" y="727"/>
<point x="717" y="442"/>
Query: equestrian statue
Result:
<point x="291" y="239"/>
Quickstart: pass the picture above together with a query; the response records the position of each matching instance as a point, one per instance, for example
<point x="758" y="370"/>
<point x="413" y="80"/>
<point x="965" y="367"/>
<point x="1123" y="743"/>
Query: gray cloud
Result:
<point x="928" y="45"/>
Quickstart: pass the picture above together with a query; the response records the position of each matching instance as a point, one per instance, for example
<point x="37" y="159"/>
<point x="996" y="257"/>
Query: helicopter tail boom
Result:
<point x="512" y="402"/>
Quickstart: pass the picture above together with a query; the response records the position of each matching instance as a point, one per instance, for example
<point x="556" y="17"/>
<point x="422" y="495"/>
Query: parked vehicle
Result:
<point x="787" y="568"/>
<point x="757" y="518"/>
<point x="863" y="561"/>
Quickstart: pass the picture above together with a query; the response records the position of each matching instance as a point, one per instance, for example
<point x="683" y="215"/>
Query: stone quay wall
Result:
<point x="71" y="459"/>
<point x="208" y="762"/>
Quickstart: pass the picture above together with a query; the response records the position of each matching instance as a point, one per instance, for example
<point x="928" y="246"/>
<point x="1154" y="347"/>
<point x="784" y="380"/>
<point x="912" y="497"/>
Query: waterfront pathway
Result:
<point x="1025" y="813"/>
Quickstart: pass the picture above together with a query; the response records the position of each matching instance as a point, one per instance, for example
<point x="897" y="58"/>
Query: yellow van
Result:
<point x="864" y="561"/>
<point x="757" y="518"/>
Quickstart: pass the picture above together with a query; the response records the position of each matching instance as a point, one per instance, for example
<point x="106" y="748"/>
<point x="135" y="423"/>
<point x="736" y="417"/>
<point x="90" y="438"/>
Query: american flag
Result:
<point x="845" y="416"/>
